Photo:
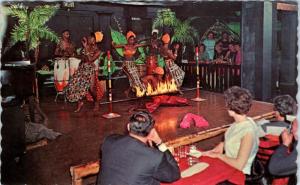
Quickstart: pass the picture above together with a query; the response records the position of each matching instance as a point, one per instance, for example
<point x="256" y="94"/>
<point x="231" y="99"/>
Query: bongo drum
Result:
<point x="61" y="73"/>
<point x="74" y="64"/>
<point x="151" y="64"/>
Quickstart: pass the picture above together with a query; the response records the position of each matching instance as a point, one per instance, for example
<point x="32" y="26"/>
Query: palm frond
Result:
<point x="18" y="11"/>
<point x="46" y="33"/>
<point x="18" y="34"/>
<point x="184" y="33"/>
<point x="164" y="17"/>
<point x="41" y="14"/>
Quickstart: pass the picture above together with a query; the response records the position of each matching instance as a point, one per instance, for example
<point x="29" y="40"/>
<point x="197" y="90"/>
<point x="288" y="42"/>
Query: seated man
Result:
<point x="284" y="107"/>
<point x="133" y="159"/>
<point x="283" y="160"/>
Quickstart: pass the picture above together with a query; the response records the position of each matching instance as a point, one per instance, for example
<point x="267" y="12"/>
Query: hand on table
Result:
<point x="212" y="154"/>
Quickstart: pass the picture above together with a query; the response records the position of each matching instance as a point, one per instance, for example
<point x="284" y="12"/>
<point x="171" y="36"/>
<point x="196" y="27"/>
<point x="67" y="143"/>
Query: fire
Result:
<point x="162" y="88"/>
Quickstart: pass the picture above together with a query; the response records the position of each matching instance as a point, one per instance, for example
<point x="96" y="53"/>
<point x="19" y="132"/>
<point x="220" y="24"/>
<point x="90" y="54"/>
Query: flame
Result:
<point x="161" y="88"/>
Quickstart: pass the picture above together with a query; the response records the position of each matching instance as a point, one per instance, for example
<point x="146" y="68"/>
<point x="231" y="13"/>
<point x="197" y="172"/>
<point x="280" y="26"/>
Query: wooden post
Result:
<point x="198" y="99"/>
<point x="110" y="113"/>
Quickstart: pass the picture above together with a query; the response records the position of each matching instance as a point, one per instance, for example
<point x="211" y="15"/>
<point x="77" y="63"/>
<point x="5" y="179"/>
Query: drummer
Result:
<point x="65" y="48"/>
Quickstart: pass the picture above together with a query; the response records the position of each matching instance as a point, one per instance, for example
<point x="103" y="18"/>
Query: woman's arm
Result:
<point x="243" y="154"/>
<point x="117" y="45"/>
<point x="140" y="45"/>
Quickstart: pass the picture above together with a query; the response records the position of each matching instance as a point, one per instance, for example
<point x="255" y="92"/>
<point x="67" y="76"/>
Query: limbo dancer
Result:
<point x="85" y="79"/>
<point x="129" y="65"/>
<point x="172" y="70"/>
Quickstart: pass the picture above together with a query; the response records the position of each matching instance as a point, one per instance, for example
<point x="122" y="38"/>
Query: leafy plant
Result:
<point x="31" y="26"/>
<point x="183" y="31"/>
<point x="118" y="38"/>
<point x="165" y="17"/>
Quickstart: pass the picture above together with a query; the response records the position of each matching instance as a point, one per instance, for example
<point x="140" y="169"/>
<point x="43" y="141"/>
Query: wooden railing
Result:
<point x="213" y="77"/>
<point x="79" y="172"/>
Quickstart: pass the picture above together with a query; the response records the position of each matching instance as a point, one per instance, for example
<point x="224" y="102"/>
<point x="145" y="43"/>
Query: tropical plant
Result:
<point x="118" y="38"/>
<point x="183" y="31"/>
<point x="164" y="17"/>
<point x="31" y="26"/>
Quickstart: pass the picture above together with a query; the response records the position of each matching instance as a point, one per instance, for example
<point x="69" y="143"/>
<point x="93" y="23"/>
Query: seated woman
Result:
<point x="241" y="138"/>
<point x="129" y="66"/>
<point x="218" y="52"/>
<point x="203" y="55"/>
<point x="85" y="79"/>
<point x="284" y="106"/>
<point x="231" y="54"/>
<point x="283" y="160"/>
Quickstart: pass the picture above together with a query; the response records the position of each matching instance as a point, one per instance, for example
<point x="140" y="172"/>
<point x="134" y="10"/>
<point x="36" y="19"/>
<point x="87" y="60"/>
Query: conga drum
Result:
<point x="151" y="64"/>
<point x="74" y="64"/>
<point x="141" y="69"/>
<point x="61" y="73"/>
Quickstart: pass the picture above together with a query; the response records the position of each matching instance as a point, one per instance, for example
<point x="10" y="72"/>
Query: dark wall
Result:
<point x="269" y="50"/>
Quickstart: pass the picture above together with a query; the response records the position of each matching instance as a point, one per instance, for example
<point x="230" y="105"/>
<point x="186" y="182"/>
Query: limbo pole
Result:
<point x="110" y="113"/>
<point x="198" y="99"/>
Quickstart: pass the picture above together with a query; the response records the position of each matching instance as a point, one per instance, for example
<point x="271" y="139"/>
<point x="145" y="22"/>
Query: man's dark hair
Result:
<point x="238" y="99"/>
<point x="285" y="105"/>
<point x="141" y="123"/>
<point x="66" y="30"/>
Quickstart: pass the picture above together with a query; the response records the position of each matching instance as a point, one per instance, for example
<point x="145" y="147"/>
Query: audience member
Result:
<point x="238" y="57"/>
<point x="241" y="138"/>
<point x="225" y="43"/>
<point x="137" y="158"/>
<point x="231" y="54"/>
<point x="283" y="160"/>
<point x="209" y="43"/>
<point x="218" y="51"/>
<point x="284" y="106"/>
<point x="203" y="55"/>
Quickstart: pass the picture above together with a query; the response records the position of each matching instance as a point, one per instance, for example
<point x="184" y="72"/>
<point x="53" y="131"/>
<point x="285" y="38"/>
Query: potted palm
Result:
<point x="31" y="27"/>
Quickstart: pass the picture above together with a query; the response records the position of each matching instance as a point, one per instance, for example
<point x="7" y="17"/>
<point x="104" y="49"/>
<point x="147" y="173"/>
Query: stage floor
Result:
<point x="84" y="132"/>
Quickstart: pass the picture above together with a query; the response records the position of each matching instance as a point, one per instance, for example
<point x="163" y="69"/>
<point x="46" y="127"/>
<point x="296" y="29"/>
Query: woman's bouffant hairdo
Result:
<point x="141" y="123"/>
<point x="238" y="99"/>
<point x="285" y="105"/>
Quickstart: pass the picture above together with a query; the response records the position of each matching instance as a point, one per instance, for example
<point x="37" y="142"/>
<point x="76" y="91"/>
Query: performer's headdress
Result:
<point x="159" y="71"/>
<point x="155" y="31"/>
<point x="98" y="36"/>
<point x="130" y="34"/>
<point x="166" y="38"/>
